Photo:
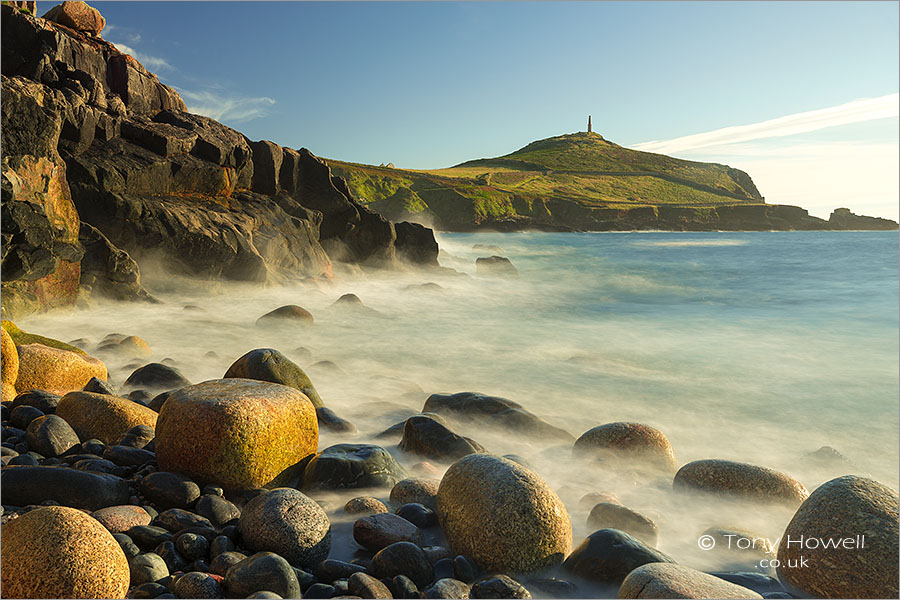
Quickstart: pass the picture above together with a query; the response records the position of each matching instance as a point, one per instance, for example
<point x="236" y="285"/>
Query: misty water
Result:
<point x="756" y="347"/>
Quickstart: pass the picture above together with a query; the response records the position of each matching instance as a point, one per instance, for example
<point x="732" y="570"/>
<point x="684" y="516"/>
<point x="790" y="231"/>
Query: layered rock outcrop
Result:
<point x="95" y="147"/>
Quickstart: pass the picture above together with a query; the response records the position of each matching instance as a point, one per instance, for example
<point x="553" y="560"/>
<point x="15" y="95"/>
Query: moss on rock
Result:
<point x="268" y="364"/>
<point x="103" y="417"/>
<point x="502" y="515"/>
<point x="55" y="370"/>
<point x="21" y="337"/>
<point x="238" y="433"/>
<point x="60" y="552"/>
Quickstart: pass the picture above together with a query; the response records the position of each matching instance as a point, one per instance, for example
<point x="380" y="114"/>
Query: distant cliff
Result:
<point x="103" y="167"/>
<point x="578" y="182"/>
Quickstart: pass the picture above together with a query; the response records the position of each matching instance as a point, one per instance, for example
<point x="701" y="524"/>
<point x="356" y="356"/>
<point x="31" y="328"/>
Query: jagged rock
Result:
<point x="108" y="271"/>
<point x="842" y="218"/>
<point x="77" y="15"/>
<point x="416" y="244"/>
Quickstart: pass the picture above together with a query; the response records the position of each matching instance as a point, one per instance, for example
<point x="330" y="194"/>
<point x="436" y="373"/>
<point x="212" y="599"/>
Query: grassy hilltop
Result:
<point x="570" y="181"/>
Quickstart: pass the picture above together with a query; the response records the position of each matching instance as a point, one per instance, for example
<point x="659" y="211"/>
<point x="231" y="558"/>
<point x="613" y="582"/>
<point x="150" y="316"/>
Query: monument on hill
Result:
<point x="589" y="123"/>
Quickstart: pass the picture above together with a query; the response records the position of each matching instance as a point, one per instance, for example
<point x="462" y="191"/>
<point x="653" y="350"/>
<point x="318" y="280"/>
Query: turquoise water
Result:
<point x="757" y="347"/>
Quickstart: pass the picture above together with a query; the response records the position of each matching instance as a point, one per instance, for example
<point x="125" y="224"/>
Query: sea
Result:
<point x="759" y="347"/>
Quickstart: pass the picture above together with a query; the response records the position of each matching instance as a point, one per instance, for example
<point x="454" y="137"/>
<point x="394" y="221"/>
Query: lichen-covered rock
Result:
<point x="741" y="481"/>
<point x="54" y="370"/>
<point x="78" y="15"/>
<point x="415" y="489"/>
<point x="59" y="552"/>
<point x="23" y="337"/>
<point x="7" y="392"/>
<point x="238" y="433"/>
<point x="841" y="511"/>
<point x="502" y="515"/>
<point x="268" y="364"/>
<point x="352" y="466"/>
<point x="103" y="417"/>
<point x="9" y="357"/>
<point x="631" y="444"/>
<point x="289" y="523"/>
<point x="664" y="580"/>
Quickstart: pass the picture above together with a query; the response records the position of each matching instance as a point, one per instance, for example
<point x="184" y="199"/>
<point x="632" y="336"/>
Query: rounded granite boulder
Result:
<point x="352" y="466"/>
<point x="77" y="15"/>
<point x="103" y="417"/>
<point x="740" y="481"/>
<point x="289" y="523"/>
<point x="9" y="359"/>
<point x="237" y="433"/>
<point x="268" y="364"/>
<point x="59" y="552"/>
<point x="667" y="580"/>
<point x="847" y="532"/>
<point x="54" y="370"/>
<point x="628" y="444"/>
<point x="502" y="515"/>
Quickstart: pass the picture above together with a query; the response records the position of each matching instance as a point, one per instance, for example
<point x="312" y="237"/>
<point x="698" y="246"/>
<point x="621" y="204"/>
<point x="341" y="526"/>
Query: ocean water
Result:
<point x="759" y="347"/>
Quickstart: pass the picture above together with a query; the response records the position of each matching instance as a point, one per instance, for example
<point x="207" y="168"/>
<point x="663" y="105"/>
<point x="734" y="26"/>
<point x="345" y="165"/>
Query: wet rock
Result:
<point x="378" y="531"/>
<point x="119" y="519"/>
<point x="288" y="522"/>
<point x="42" y="400"/>
<point x="332" y="570"/>
<point x="352" y="466"/>
<point x="403" y="558"/>
<point x="217" y="509"/>
<point x="429" y="438"/>
<point x="366" y="586"/>
<point x="157" y="376"/>
<point x="176" y="519"/>
<point x="495" y="266"/>
<point x="69" y="487"/>
<point x="128" y="456"/>
<point x="740" y="481"/>
<point x="169" y="490"/>
<point x="329" y="420"/>
<point x="607" y="515"/>
<point x="472" y="506"/>
<point x="416" y="489"/>
<point x="55" y="370"/>
<point x="262" y="571"/>
<point x="192" y="546"/>
<point x="365" y="505"/>
<point x="268" y="364"/>
<point x="22" y="416"/>
<point x="627" y="444"/>
<point x="147" y="568"/>
<point x="149" y="536"/>
<point x="418" y="514"/>
<point x="495" y="412"/>
<point x="661" y="580"/>
<point x="50" y="435"/>
<point x="174" y="561"/>
<point x="101" y="416"/>
<point x="498" y="586"/>
<point x="238" y="433"/>
<point x="220" y="544"/>
<point x="290" y="313"/>
<point x="225" y="560"/>
<point x="842" y="509"/>
<point x="198" y="585"/>
<point x="59" y="552"/>
<point x="446" y="588"/>
<point x="608" y="555"/>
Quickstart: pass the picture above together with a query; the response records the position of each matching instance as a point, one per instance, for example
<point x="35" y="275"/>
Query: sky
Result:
<point x="801" y="95"/>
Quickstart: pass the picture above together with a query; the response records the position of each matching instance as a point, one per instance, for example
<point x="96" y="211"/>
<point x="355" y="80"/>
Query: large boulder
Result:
<point x="740" y="481"/>
<point x="9" y="359"/>
<point x="238" y="433"/>
<point x="289" y="523"/>
<point x="631" y="444"/>
<point x="69" y="487"/>
<point x="502" y="515"/>
<point x="842" y="542"/>
<point x="416" y="244"/>
<point x="59" y="552"/>
<point x="493" y="411"/>
<point x="103" y="417"/>
<point x="352" y="466"/>
<point x="54" y="370"/>
<point x="77" y="15"/>
<point x="607" y="556"/>
<point x="664" y="580"/>
<point x="609" y="515"/>
<point x="268" y="364"/>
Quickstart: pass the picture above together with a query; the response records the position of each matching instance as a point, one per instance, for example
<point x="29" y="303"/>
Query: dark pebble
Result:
<point x="217" y="509"/>
<point x="443" y="569"/>
<point x="24" y="459"/>
<point x="224" y="561"/>
<point x="404" y="558"/>
<point x="169" y="490"/>
<point x="147" y="568"/>
<point x="417" y="514"/>
<point x="220" y="544"/>
<point x="173" y="559"/>
<point x="199" y="565"/>
<point x="331" y="570"/>
<point x="498" y="586"/>
<point x="93" y="446"/>
<point x="404" y="587"/>
<point x="464" y="569"/>
<point x="197" y="585"/>
<point x="149" y="536"/>
<point x="127" y="544"/>
<point x="23" y="415"/>
<point x="262" y="571"/>
<point x="50" y="435"/>
<point x="366" y="586"/>
<point x="176" y="519"/>
<point x="436" y="553"/>
<point x="98" y="465"/>
<point x="192" y="546"/>
<point x="377" y="531"/>
<point x="44" y="401"/>
<point x="137" y="437"/>
<point x="148" y="590"/>
<point x="608" y="555"/>
<point x="554" y="588"/>
<point x="128" y="456"/>
<point x="305" y="578"/>
<point x="157" y="375"/>
<point x="447" y="588"/>
<point x="319" y="590"/>
<point x="215" y="490"/>
<point x="341" y="587"/>
<point x="98" y="386"/>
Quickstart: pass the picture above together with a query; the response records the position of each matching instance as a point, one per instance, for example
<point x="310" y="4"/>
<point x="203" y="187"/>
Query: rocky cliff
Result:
<point x="98" y="154"/>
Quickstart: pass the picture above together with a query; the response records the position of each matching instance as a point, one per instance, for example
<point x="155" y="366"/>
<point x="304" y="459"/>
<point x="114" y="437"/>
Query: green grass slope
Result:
<point x="557" y="182"/>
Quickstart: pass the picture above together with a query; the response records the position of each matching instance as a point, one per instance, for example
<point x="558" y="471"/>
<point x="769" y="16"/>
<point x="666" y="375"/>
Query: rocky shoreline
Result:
<point x="167" y="489"/>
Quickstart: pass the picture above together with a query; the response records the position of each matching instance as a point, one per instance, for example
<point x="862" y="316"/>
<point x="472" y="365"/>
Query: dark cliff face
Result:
<point x="91" y="136"/>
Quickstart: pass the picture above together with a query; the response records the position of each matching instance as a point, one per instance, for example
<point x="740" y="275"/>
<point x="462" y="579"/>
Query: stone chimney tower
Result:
<point x="589" y="123"/>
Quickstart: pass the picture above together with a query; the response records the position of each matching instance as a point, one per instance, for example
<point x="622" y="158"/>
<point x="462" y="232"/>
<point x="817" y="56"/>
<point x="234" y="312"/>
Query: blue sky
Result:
<point x="427" y="85"/>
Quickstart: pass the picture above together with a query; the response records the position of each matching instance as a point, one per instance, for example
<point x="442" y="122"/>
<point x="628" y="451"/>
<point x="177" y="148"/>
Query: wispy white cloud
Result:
<point x="153" y="63"/>
<point x="856" y="111"/>
<point x="124" y="33"/>
<point x="223" y="107"/>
